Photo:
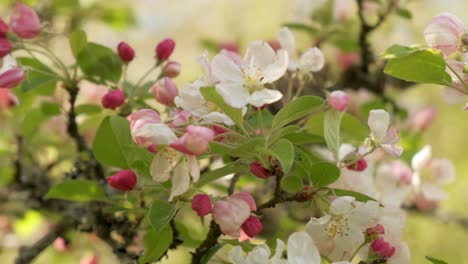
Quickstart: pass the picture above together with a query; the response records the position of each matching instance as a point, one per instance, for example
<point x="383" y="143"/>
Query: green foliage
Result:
<point x="323" y="174"/>
<point x="88" y="109"/>
<point x="404" y="13"/>
<point x="39" y="76"/>
<point x="283" y="151"/>
<point x="211" y="95"/>
<point x="160" y="214"/>
<point x="351" y="129"/>
<point x="100" y="63"/>
<point x="331" y="132"/>
<point x="435" y="261"/>
<point x="78" y="41"/>
<point x="311" y="29"/>
<point x="212" y="175"/>
<point x="296" y="109"/>
<point x="293" y="182"/>
<point x="359" y="196"/>
<point x="77" y="190"/>
<point x="156" y="243"/>
<point x="422" y="66"/>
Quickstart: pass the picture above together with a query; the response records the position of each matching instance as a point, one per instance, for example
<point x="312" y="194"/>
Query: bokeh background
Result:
<point x="145" y="22"/>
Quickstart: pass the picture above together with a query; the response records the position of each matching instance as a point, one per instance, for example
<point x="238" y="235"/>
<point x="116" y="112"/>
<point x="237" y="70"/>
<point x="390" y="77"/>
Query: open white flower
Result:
<point x="312" y="60"/>
<point x="338" y="234"/>
<point x="383" y="136"/>
<point x="244" y="84"/>
<point x="429" y="174"/>
<point x="169" y="163"/>
<point x="191" y="99"/>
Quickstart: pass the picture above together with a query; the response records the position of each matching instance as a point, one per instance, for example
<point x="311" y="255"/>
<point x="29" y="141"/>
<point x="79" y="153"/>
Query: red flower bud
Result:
<point x="3" y="29"/>
<point x="259" y="171"/>
<point x="171" y="69"/>
<point x="382" y="248"/>
<point x="378" y="229"/>
<point x="60" y="244"/>
<point x="25" y="22"/>
<point x="125" y="51"/>
<point x="113" y="99"/>
<point x="201" y="203"/>
<point x="165" y="91"/>
<point x="359" y="165"/>
<point x="124" y="180"/>
<point x="252" y="226"/>
<point x="11" y="78"/>
<point x="5" y="47"/>
<point x="165" y="49"/>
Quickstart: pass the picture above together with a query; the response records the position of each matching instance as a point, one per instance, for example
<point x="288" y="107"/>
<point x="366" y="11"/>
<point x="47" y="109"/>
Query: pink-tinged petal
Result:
<point x="230" y="215"/>
<point x="171" y="69"/>
<point x="147" y="114"/>
<point x="193" y="167"/>
<point x="162" y="164"/>
<point x="24" y="22"/>
<point x="378" y="122"/>
<point x="260" y="54"/>
<point x="246" y="197"/>
<point x="180" y="118"/>
<point x="165" y="91"/>
<point x="339" y="100"/>
<point x="392" y="136"/>
<point x="287" y="41"/>
<point x="233" y="56"/>
<point x="264" y="97"/>
<point x="277" y="69"/>
<point x="180" y="180"/>
<point x="11" y="78"/>
<point x="422" y="119"/>
<point x="234" y="94"/>
<point x="393" y="150"/>
<point x="433" y="192"/>
<point x="195" y="141"/>
<point x="443" y="32"/>
<point x="224" y="69"/>
<point x="424" y="204"/>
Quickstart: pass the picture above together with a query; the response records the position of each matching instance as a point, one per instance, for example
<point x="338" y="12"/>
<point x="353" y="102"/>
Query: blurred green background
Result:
<point x="143" y="23"/>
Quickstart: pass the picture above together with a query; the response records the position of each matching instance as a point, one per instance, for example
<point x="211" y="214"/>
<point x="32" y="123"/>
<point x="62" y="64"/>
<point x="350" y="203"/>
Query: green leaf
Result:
<point x="32" y="121"/>
<point x="100" y="63"/>
<point x="108" y="146"/>
<point x="245" y="150"/>
<point x="156" y="243"/>
<point x="50" y="109"/>
<point x="435" y="261"/>
<point x="211" y="95"/>
<point x="351" y="129"/>
<point x="211" y="252"/>
<point x="292" y="182"/>
<point x="213" y="175"/>
<point x="310" y="29"/>
<point x="323" y="174"/>
<point x="331" y="132"/>
<point x="347" y="45"/>
<point x="404" y="13"/>
<point x="422" y="66"/>
<point x="296" y="109"/>
<point x="359" y="196"/>
<point x="398" y="51"/>
<point x="39" y="76"/>
<point x="88" y="109"/>
<point x="283" y="150"/>
<point x="160" y="214"/>
<point x="77" y="190"/>
<point x="78" y="41"/>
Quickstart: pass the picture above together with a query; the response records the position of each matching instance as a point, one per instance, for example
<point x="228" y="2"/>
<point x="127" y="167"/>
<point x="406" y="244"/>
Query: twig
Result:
<point x="210" y="241"/>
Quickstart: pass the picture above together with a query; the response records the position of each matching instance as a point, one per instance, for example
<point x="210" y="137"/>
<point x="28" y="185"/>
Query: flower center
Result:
<point x="337" y="226"/>
<point x="252" y="77"/>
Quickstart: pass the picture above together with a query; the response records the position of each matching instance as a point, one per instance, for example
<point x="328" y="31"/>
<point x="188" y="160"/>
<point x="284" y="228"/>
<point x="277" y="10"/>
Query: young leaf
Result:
<point x="156" y="243"/>
<point x="292" y="182"/>
<point x="211" y="95"/>
<point x="422" y="66"/>
<point x="213" y="175"/>
<point x="331" y="131"/>
<point x="100" y="63"/>
<point x="398" y="51"/>
<point x="283" y="150"/>
<point x="160" y="214"/>
<point x="88" y="109"/>
<point x="435" y="261"/>
<point x="246" y="149"/>
<point x="323" y="174"/>
<point x="311" y="29"/>
<point x="108" y="146"/>
<point x="404" y="13"/>
<point x="296" y="109"/>
<point x="78" y="41"/>
<point x="359" y="196"/>
<point x="77" y="190"/>
<point x="39" y="76"/>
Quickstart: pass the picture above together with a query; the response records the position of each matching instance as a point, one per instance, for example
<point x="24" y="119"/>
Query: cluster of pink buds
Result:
<point x="378" y="245"/>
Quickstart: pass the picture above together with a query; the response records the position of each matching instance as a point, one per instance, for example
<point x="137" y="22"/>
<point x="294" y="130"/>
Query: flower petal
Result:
<point x="236" y="256"/>
<point x="180" y="180"/>
<point x="260" y="54"/>
<point x="378" y="123"/>
<point x="302" y="250"/>
<point x="225" y="70"/>
<point x="421" y="158"/>
<point x="193" y="167"/>
<point x="264" y="97"/>
<point x="312" y="60"/>
<point x="162" y="164"/>
<point x="287" y="41"/>
<point x="277" y="69"/>
<point x="234" y="94"/>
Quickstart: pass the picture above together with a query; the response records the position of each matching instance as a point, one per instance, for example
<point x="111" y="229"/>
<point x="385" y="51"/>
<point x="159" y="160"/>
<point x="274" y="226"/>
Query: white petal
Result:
<point x="312" y="60"/>
<point x="393" y="150"/>
<point x="224" y="69"/>
<point x="287" y="41"/>
<point x="234" y="94"/>
<point x="342" y="205"/>
<point x="347" y="243"/>
<point x="277" y="69"/>
<point x="159" y="134"/>
<point x="378" y="123"/>
<point x="421" y="158"/>
<point x="392" y="136"/>
<point x="442" y="171"/>
<point x="259" y="255"/>
<point x="236" y="256"/>
<point x="217" y="117"/>
<point x="193" y="167"/>
<point x="260" y="54"/>
<point x="162" y="165"/>
<point x="263" y="97"/>
<point x="433" y="192"/>
<point x="316" y="227"/>
<point x="302" y="250"/>
<point x="180" y="180"/>
<point x="279" y="251"/>
<point x="206" y="66"/>
<point x="365" y="215"/>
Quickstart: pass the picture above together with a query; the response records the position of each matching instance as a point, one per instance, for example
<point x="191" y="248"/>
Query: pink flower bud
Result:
<point x="201" y="203"/>
<point x="25" y="22"/>
<point x="124" y="180"/>
<point x="11" y="78"/>
<point x="359" y="165"/>
<point x="126" y="52"/>
<point x="382" y="248"/>
<point x="229" y="46"/>
<point x="246" y="197"/>
<point x="152" y="148"/>
<point x="257" y="169"/>
<point x="89" y="260"/>
<point x="195" y="141"/>
<point x="171" y="69"/>
<point x="113" y="99"/>
<point x="231" y="213"/>
<point x="219" y="131"/>
<point x="339" y="100"/>
<point x="165" y="91"/>
<point x="60" y="244"/>
<point x="345" y="60"/>
<point x="7" y="99"/>
<point x="165" y="49"/>
<point x="5" y="47"/>
<point x="378" y="229"/>
<point x="443" y="32"/>
<point x="3" y="29"/>
<point x="423" y="119"/>
<point x="180" y="118"/>
<point x="252" y="226"/>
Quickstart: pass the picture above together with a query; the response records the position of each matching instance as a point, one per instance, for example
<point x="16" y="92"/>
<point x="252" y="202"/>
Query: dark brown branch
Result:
<point x="72" y="126"/>
<point x="210" y="241"/>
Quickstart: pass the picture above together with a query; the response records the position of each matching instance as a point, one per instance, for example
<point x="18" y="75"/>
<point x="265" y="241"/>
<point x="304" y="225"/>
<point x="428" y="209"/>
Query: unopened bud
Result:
<point x="382" y="248"/>
<point x="113" y="99"/>
<point x="5" y="47"/>
<point x="165" y="91"/>
<point x="11" y="78"/>
<point x="359" y="165"/>
<point x="126" y="52"/>
<point x="124" y="180"/>
<point x="201" y="203"/>
<point x="338" y="100"/>
<point x="3" y="29"/>
<point x="257" y="169"/>
<point x="171" y="69"/>
<point x="378" y="229"/>
<point x="24" y="22"/>
<point x="252" y="226"/>
<point x="164" y="49"/>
